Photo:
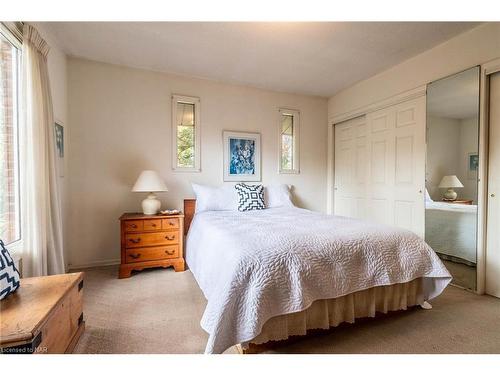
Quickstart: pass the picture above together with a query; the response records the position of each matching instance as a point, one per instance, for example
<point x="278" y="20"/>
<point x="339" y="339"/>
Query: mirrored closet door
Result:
<point x="452" y="173"/>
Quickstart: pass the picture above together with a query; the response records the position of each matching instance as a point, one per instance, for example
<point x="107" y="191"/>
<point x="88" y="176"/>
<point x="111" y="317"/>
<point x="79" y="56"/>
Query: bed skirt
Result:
<point x="327" y="313"/>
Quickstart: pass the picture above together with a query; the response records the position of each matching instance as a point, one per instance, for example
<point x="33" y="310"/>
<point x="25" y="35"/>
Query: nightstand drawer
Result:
<point x="151" y="239"/>
<point x="170" y="223"/>
<point x="152" y="253"/>
<point x="133" y="226"/>
<point x="154" y="224"/>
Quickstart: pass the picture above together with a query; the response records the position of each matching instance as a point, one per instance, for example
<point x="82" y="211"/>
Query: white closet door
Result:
<point x="381" y="171"/>
<point x="409" y="166"/>
<point x="380" y="166"/>
<point x="351" y="168"/>
<point x="493" y="233"/>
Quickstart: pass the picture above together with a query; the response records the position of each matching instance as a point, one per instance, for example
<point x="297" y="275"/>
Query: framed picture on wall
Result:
<point x="59" y="134"/>
<point x="241" y="156"/>
<point x="472" y="165"/>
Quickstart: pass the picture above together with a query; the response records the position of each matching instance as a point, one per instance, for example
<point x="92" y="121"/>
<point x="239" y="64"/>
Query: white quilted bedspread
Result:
<point x="254" y="265"/>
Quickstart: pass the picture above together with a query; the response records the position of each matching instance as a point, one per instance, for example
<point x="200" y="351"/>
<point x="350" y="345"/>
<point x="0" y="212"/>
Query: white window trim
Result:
<point x="296" y="141"/>
<point x="16" y="248"/>
<point x="197" y="132"/>
<point x="12" y="32"/>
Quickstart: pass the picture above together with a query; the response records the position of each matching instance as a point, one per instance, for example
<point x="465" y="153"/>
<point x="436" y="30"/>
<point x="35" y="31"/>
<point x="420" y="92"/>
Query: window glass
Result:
<point x="185" y="135"/>
<point x="9" y="147"/>
<point x="287" y="142"/>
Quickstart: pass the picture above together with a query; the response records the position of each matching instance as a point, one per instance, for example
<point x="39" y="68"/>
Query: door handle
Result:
<point x="492" y="195"/>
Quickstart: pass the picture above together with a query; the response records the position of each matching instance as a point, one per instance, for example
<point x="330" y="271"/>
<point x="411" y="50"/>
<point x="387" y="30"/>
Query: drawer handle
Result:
<point x="135" y="240"/>
<point x="135" y="256"/>
<point x="170" y="252"/>
<point x="170" y="238"/>
<point x="153" y="225"/>
<point x="134" y="226"/>
<point x="171" y="223"/>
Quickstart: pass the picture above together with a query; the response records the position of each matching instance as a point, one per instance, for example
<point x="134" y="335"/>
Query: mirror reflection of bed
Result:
<point x="451" y="173"/>
<point x="450" y="229"/>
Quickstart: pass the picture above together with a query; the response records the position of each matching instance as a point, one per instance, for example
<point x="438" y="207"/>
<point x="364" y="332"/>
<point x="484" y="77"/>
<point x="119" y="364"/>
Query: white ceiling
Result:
<point x="306" y="58"/>
<point x="455" y="97"/>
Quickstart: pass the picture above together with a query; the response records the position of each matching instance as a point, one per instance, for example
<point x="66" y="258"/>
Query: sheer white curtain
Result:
<point x="42" y="225"/>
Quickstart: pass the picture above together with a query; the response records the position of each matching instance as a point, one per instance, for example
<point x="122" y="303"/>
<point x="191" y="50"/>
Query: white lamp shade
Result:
<point x="149" y="181"/>
<point x="450" y="182"/>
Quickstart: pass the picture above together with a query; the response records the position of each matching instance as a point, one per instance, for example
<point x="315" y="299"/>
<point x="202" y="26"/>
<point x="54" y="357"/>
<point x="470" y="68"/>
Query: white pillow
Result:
<point x="278" y="196"/>
<point x="208" y="198"/>
<point x="427" y="196"/>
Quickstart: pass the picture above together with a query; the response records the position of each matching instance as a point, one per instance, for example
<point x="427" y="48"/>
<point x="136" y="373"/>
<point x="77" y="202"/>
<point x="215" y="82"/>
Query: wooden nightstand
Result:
<point x="151" y="241"/>
<point x="459" y="201"/>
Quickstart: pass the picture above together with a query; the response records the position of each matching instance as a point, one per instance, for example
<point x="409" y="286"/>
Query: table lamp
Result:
<point x="150" y="182"/>
<point x="450" y="182"/>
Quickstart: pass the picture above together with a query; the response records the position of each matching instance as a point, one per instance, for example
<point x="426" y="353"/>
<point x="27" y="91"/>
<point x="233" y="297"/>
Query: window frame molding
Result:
<point x="296" y="140"/>
<point x="197" y="132"/>
<point x="12" y="32"/>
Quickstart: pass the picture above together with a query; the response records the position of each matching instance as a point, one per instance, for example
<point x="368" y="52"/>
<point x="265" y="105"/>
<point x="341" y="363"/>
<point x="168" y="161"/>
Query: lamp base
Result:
<point x="151" y="205"/>
<point x="450" y="195"/>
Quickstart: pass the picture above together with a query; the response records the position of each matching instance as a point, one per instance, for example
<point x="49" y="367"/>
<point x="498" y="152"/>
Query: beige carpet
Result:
<point x="158" y="311"/>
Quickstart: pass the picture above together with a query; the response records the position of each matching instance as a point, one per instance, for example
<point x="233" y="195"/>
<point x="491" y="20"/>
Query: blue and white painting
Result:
<point x="242" y="152"/>
<point x="241" y="156"/>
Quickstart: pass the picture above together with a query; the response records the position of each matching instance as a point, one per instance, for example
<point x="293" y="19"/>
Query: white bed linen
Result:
<point x="450" y="229"/>
<point x="254" y="265"/>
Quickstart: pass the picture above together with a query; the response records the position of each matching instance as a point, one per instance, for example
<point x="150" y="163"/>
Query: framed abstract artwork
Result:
<point x="59" y="134"/>
<point x="241" y="156"/>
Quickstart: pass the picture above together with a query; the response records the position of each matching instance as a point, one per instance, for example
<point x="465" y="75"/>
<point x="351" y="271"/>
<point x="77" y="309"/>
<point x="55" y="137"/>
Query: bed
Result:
<point x="280" y="272"/>
<point x="450" y="229"/>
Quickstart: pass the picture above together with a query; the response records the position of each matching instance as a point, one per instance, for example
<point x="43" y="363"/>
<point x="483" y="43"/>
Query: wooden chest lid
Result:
<point x="23" y="312"/>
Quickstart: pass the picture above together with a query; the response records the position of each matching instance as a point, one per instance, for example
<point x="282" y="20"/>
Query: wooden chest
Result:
<point x="45" y="315"/>
<point x="151" y="241"/>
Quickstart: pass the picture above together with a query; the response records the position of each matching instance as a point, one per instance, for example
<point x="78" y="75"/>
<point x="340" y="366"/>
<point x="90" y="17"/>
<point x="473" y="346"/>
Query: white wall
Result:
<point x="469" y="141"/>
<point x="443" y="146"/>
<point x="121" y="124"/>
<point x="449" y="142"/>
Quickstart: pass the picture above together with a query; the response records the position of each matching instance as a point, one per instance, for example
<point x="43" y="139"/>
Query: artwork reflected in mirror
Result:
<point x="452" y="173"/>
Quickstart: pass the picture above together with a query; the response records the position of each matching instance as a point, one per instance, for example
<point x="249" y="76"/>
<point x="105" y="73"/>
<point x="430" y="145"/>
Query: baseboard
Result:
<point x="97" y="263"/>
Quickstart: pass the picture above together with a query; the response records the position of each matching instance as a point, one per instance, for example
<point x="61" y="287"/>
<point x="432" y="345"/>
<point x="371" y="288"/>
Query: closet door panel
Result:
<point x="383" y="155"/>
<point x="493" y="241"/>
<point x="380" y="192"/>
<point x="409" y="166"/>
<point x="350" y="154"/>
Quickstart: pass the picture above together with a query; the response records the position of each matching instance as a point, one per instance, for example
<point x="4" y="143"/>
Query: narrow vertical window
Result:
<point x="10" y="213"/>
<point x="289" y="141"/>
<point x="186" y="133"/>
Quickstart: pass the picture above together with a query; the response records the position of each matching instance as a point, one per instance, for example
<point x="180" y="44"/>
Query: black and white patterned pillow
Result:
<point x="9" y="275"/>
<point x="250" y="197"/>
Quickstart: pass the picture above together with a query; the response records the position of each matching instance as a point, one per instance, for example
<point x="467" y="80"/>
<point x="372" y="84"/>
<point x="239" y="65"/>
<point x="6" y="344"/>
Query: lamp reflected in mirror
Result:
<point x="451" y="173"/>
